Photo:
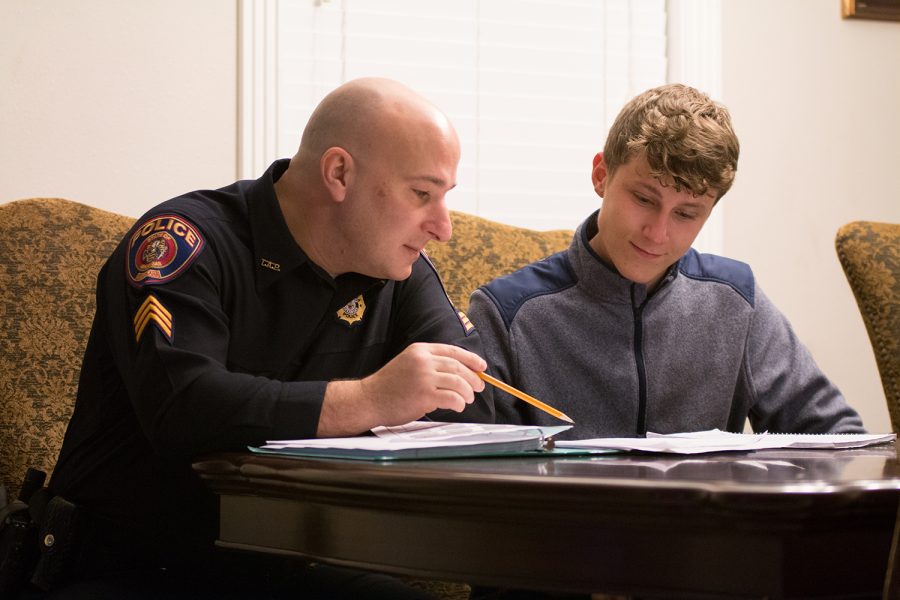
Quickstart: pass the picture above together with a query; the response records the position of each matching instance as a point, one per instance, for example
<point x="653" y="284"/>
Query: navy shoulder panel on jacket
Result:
<point x="709" y="267"/>
<point x="546" y="276"/>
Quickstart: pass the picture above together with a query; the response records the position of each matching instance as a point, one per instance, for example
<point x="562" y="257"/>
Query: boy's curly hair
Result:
<point x="684" y="134"/>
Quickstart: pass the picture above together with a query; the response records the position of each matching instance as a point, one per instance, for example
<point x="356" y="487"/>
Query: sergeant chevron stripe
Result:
<point x="152" y="310"/>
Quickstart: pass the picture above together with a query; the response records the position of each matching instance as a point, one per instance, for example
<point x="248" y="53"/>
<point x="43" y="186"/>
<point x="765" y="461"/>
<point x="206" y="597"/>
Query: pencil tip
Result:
<point x="567" y="419"/>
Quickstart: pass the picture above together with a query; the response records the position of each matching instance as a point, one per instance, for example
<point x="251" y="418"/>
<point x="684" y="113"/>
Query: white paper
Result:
<point x="714" y="440"/>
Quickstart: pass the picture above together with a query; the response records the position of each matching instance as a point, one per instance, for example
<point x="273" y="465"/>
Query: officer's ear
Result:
<point x="336" y="167"/>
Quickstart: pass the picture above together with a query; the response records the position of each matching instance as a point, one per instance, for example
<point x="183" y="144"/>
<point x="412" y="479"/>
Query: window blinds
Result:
<point x="531" y="85"/>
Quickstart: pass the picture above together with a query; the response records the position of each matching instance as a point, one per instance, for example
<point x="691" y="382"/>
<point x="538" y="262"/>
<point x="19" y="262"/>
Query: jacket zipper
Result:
<point x="639" y="360"/>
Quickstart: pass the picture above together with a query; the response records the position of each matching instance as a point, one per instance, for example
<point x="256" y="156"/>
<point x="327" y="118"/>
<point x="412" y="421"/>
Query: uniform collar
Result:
<point x="602" y="280"/>
<point x="275" y="250"/>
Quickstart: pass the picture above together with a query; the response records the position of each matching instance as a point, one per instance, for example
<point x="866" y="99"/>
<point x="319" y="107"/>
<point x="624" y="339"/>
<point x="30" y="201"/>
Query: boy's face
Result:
<point x="644" y="226"/>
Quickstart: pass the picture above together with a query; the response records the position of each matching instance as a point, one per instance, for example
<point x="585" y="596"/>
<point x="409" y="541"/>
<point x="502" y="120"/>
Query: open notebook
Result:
<point x="424" y="439"/>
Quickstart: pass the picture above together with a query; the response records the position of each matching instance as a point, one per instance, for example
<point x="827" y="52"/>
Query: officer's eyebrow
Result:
<point x="435" y="180"/>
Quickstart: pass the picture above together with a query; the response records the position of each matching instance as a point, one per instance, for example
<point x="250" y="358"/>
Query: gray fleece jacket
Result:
<point x="706" y="350"/>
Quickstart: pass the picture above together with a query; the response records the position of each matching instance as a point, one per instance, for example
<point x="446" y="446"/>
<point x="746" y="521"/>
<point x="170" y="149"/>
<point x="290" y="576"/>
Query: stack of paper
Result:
<point x="698" y="442"/>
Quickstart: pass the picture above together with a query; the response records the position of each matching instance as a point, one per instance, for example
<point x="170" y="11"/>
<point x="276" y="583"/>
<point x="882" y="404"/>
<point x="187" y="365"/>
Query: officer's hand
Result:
<point x="422" y="378"/>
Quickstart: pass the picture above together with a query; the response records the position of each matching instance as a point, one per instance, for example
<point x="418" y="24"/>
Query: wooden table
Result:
<point x="774" y="523"/>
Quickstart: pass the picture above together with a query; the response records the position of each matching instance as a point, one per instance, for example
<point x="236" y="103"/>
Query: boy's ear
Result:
<point x="336" y="167"/>
<point x="598" y="174"/>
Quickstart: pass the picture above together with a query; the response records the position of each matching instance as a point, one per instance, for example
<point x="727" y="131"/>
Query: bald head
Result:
<point x="364" y="114"/>
<point x="366" y="190"/>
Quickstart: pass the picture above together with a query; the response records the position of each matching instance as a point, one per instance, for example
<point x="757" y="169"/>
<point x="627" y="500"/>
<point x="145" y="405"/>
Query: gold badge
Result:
<point x="352" y="312"/>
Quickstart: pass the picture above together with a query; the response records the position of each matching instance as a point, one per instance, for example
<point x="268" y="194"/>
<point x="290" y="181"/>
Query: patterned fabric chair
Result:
<point x="870" y="255"/>
<point x="481" y="250"/>
<point x="50" y="253"/>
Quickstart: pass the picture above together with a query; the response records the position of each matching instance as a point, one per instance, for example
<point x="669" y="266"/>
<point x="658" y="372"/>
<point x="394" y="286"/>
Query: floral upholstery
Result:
<point x="481" y="250"/>
<point x="50" y="253"/>
<point x="870" y="255"/>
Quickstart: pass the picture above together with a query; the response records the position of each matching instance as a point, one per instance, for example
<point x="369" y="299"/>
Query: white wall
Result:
<point x="816" y="104"/>
<point x="123" y="104"/>
<point x="117" y="104"/>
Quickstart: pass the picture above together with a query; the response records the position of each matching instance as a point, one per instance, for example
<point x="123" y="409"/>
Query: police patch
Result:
<point x="161" y="249"/>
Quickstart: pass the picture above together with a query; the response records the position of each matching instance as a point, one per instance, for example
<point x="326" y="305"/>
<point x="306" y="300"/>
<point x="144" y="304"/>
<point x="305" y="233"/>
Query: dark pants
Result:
<point x="242" y="577"/>
<point x="96" y="559"/>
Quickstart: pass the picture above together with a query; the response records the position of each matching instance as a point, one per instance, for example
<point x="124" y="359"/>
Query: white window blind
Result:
<point x="531" y="85"/>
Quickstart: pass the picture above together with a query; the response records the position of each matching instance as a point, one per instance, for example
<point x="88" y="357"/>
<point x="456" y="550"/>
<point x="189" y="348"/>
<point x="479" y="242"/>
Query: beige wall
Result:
<point x="117" y="104"/>
<point x="816" y="103"/>
<point x="123" y="104"/>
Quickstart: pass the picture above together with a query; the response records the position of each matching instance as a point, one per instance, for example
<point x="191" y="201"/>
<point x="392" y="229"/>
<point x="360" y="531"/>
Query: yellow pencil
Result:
<point x="523" y="396"/>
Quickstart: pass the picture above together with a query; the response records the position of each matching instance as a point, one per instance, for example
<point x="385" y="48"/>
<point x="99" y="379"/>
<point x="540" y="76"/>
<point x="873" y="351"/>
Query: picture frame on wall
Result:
<point x="881" y="10"/>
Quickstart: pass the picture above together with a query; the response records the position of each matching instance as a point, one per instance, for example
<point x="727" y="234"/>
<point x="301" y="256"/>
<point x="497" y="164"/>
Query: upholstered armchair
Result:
<point x="50" y="253"/>
<point x="481" y="250"/>
<point x="870" y="255"/>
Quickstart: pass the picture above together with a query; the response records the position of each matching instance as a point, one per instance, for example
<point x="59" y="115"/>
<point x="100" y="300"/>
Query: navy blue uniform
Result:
<point x="214" y="331"/>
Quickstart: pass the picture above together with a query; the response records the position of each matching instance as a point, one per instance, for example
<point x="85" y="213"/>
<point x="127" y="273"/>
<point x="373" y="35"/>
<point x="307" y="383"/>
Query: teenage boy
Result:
<point x="630" y="330"/>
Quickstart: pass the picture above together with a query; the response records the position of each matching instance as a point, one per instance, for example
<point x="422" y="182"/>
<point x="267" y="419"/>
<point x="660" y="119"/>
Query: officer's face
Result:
<point x="400" y="200"/>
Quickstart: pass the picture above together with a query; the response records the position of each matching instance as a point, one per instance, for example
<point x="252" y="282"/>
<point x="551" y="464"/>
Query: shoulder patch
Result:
<point x="710" y="267"/>
<point x="161" y="249"/>
<point x="547" y="276"/>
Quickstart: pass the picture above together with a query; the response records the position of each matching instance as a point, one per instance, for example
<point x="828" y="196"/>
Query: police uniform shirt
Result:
<point x="215" y="331"/>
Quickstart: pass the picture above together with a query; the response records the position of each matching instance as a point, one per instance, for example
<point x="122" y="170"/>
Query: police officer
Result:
<point x="297" y="305"/>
